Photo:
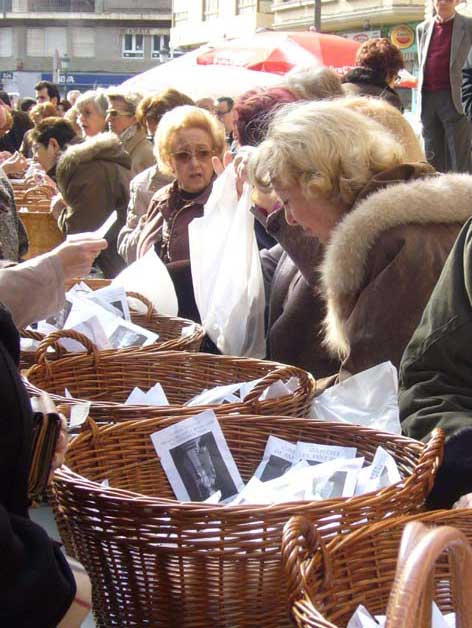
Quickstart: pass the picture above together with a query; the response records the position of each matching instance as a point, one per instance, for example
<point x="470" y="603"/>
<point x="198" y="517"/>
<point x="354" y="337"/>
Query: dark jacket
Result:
<point x="436" y="373"/>
<point x="362" y="81"/>
<point x="296" y="308"/>
<point x="166" y="229"/>
<point x="36" y="583"/>
<point x="93" y="178"/>
<point x="13" y="238"/>
<point x="385" y="258"/>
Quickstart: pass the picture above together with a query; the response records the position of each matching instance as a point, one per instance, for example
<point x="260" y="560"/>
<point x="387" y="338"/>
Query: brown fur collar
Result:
<point x="442" y="199"/>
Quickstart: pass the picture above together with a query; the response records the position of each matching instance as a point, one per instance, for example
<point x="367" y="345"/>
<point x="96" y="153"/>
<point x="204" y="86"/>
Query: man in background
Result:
<point x="47" y="92"/>
<point x="444" y="44"/>
<point x="225" y="113"/>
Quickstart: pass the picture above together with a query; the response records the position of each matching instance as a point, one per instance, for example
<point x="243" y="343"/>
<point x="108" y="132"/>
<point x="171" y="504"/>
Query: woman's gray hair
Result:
<point x="95" y="96"/>
<point x="324" y="147"/>
<point x="310" y="82"/>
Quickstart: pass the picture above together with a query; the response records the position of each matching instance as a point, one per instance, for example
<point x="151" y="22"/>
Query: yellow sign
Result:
<point x="402" y="36"/>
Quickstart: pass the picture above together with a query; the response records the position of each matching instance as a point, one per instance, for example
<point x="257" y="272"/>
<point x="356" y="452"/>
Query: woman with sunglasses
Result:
<point x="186" y="141"/>
<point x="376" y="73"/>
<point x="121" y="117"/>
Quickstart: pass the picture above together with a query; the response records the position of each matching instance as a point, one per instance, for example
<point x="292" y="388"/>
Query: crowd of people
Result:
<point x="364" y="245"/>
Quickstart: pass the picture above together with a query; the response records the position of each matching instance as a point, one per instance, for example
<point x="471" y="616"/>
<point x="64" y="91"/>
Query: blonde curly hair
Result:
<point x="326" y="148"/>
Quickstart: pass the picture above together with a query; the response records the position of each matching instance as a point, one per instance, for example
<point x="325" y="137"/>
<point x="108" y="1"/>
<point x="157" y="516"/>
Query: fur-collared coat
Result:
<point x="93" y="178"/>
<point x="384" y="260"/>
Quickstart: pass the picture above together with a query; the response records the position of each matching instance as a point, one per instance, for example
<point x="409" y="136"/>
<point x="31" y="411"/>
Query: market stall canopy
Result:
<point x="278" y="52"/>
<point x="200" y="81"/>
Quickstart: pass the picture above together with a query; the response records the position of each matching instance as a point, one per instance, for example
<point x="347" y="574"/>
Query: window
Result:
<point x="43" y="42"/>
<point x="83" y="42"/>
<point x="160" y="46"/>
<point x="35" y="42"/>
<point x="246" y="6"/>
<point x="210" y="9"/>
<point x="133" y="46"/>
<point x="6" y="42"/>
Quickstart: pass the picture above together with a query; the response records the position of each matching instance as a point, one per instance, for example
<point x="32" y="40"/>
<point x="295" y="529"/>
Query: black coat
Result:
<point x="36" y="583"/>
<point x="362" y="81"/>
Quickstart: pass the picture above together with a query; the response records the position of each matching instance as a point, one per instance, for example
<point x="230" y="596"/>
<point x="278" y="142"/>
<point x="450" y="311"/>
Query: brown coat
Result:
<point x="93" y="178"/>
<point x="296" y="308"/>
<point x="385" y="258"/>
<point x="165" y="227"/>
<point x="139" y="148"/>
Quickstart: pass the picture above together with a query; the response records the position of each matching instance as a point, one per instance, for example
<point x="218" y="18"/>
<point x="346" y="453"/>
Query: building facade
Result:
<point x="196" y="22"/>
<point x="80" y="43"/>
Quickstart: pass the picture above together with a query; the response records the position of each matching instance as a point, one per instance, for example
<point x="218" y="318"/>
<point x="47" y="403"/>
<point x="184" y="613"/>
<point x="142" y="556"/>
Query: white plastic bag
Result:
<point x="226" y="270"/>
<point x="369" y="398"/>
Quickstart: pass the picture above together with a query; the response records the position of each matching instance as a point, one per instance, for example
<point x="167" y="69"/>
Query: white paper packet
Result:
<point x="315" y="453"/>
<point x="363" y="619"/>
<point x="122" y="333"/>
<point x="381" y="473"/>
<point x="112" y="298"/>
<point x="79" y="414"/>
<point x="197" y="459"/>
<point x="280" y="389"/>
<point x="155" y="396"/>
<point x="217" y="395"/>
<point x="160" y="291"/>
<point x="369" y="398"/>
<point x="279" y="456"/>
<point x="213" y="499"/>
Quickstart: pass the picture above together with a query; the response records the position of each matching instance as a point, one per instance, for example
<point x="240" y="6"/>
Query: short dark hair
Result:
<point x="54" y="127"/>
<point x="27" y="103"/>
<point x="5" y="97"/>
<point x="381" y="55"/>
<point x="52" y="89"/>
<point x="229" y="101"/>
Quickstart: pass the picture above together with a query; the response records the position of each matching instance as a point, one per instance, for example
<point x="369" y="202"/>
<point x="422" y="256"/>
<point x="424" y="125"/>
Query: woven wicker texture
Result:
<point x="169" y="329"/>
<point x="107" y="378"/>
<point x="158" y="562"/>
<point x="328" y="581"/>
<point x="43" y="232"/>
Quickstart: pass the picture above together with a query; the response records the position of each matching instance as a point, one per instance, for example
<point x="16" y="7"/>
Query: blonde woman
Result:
<point x="387" y="224"/>
<point x="186" y="141"/>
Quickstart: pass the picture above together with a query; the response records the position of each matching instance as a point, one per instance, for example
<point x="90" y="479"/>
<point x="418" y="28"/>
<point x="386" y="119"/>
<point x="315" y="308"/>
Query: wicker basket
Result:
<point x="328" y="581"/>
<point x="169" y="329"/>
<point x="43" y="232"/>
<point x="159" y="562"/>
<point x="107" y="378"/>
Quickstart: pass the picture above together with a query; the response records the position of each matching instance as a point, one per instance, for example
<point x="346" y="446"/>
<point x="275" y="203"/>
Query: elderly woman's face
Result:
<point x="91" y="120"/>
<point x="317" y="216"/>
<point x="192" y="150"/>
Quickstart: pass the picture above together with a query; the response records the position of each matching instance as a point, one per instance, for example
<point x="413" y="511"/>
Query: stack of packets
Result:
<point x="230" y="393"/>
<point x="199" y="466"/>
<point x="363" y="619"/>
<point x="101" y="315"/>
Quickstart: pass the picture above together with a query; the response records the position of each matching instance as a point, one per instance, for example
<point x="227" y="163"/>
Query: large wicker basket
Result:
<point x="155" y="561"/>
<point x="169" y="329"/>
<point x="328" y="581"/>
<point x="43" y="232"/>
<point x="107" y="378"/>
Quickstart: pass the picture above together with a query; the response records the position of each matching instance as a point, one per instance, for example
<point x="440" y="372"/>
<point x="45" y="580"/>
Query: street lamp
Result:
<point x="65" y="62"/>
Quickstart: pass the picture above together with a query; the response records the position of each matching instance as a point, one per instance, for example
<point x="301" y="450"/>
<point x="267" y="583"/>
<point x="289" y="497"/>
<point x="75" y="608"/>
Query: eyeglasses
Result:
<point x="186" y="156"/>
<point x="114" y="113"/>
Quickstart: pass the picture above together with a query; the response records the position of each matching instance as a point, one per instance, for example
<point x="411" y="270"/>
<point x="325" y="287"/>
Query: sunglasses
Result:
<point x="114" y="113"/>
<point x="186" y="156"/>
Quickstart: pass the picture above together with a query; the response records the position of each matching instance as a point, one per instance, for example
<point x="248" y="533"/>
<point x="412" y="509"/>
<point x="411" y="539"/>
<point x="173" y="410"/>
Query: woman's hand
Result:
<point x="78" y="253"/>
<point x="240" y="162"/>
<point x="16" y="164"/>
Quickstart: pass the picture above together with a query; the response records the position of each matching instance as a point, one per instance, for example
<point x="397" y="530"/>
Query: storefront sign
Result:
<point x="362" y="36"/>
<point x="402" y="36"/>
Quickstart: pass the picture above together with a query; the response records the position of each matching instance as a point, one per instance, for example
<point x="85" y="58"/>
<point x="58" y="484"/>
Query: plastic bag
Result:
<point x="226" y="270"/>
<point x="369" y="398"/>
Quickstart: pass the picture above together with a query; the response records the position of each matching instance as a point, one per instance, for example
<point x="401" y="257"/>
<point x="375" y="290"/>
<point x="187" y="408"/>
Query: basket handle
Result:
<point x="52" y="340"/>
<point x="300" y="541"/>
<point x="30" y="333"/>
<point x="146" y="302"/>
<point x="410" y="601"/>
<point x="282" y="372"/>
<point x="431" y="459"/>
